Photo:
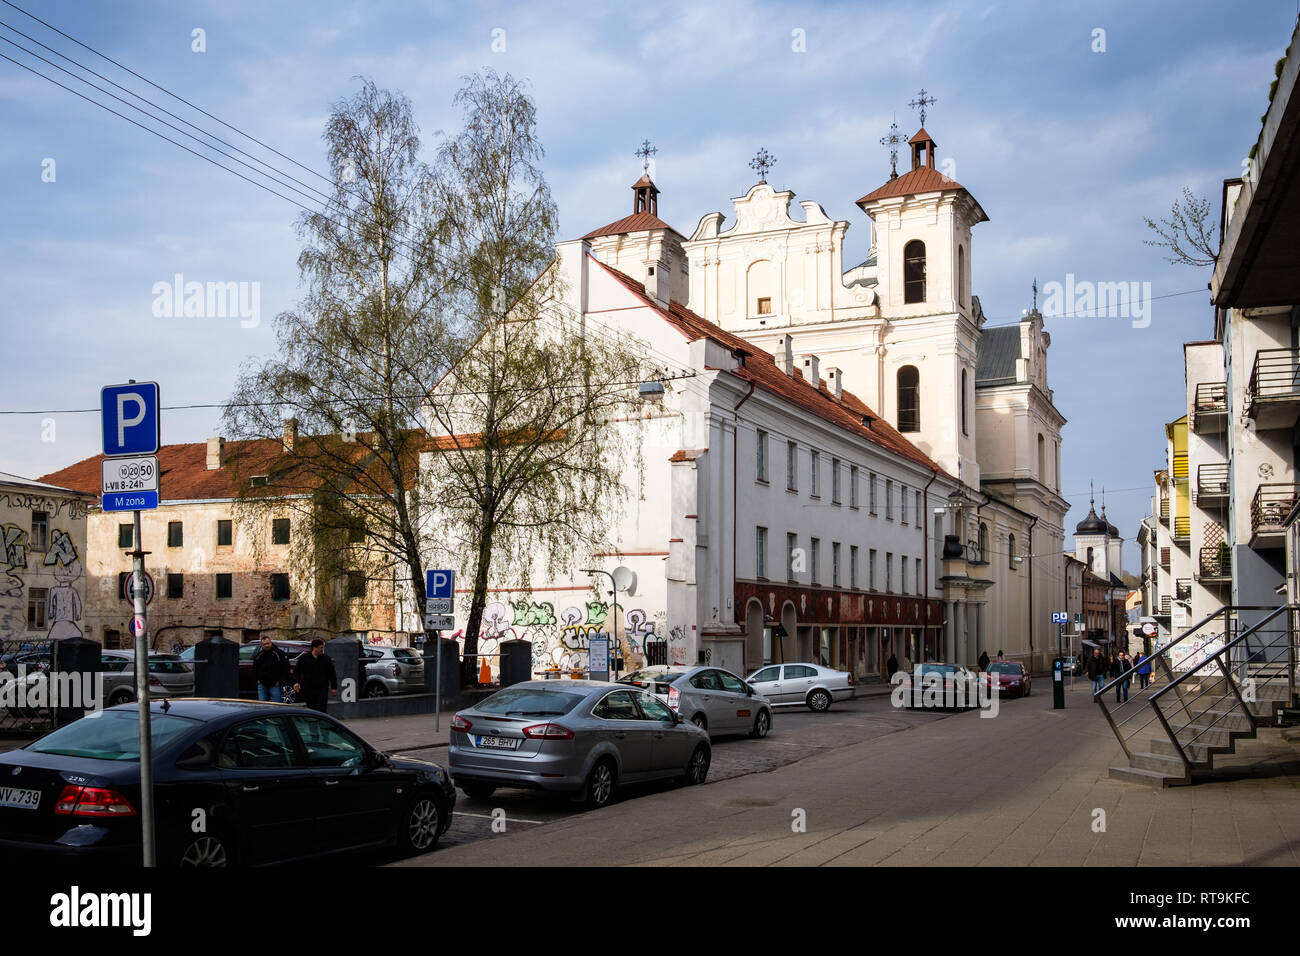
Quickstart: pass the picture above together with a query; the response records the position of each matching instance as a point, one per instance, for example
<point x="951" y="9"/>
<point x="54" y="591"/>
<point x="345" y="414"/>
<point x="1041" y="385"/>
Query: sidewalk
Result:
<point x="1029" y="787"/>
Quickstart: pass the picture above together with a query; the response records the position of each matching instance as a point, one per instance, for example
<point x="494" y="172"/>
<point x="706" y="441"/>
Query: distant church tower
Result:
<point x="1097" y="542"/>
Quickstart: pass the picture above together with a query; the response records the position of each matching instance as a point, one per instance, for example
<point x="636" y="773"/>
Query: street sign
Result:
<point x="1060" y="617"/>
<point x="136" y="625"/>
<point x="128" y="588"/>
<point x="131" y="423"/>
<point x="130" y="474"/>
<point x="439" y="622"/>
<point x="130" y="501"/>
<point x="439" y="584"/>
<point x="439" y="606"/>
<point x="598" y="657"/>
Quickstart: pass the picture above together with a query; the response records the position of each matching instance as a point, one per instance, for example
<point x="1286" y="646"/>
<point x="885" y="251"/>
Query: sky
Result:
<point x="1069" y="123"/>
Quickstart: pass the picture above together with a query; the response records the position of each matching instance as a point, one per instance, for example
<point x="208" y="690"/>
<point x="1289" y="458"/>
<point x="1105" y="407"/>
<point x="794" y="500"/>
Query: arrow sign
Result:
<point x="439" y="622"/>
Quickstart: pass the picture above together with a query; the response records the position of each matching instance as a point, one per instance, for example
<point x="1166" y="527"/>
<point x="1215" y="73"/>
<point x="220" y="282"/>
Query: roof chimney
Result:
<point x="290" y="433"/>
<point x="784" y="354"/>
<point x="216" y="453"/>
<point x="835" y="382"/>
<point x="811" y="365"/>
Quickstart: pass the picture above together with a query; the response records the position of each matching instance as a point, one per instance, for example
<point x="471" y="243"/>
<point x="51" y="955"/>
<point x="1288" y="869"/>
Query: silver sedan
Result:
<point x="710" y="697"/>
<point x="576" y="736"/>
<point x="810" y="685"/>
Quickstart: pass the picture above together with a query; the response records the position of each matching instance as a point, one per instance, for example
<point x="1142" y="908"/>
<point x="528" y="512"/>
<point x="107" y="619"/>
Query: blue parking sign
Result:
<point x="132" y="425"/>
<point x="439" y="584"/>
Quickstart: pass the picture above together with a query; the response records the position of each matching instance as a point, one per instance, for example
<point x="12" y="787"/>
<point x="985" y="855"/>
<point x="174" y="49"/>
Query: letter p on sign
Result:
<point x="439" y="584"/>
<point x="131" y="423"/>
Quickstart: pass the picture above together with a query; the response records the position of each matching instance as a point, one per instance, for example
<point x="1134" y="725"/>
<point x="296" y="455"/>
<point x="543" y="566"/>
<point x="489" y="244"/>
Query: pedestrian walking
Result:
<point x="1120" y="667"/>
<point x="892" y="665"/>
<point x="1096" y="670"/>
<point x="314" y="676"/>
<point x="1000" y="657"/>
<point x="270" y="670"/>
<point x="1143" y="664"/>
<point x="984" y="660"/>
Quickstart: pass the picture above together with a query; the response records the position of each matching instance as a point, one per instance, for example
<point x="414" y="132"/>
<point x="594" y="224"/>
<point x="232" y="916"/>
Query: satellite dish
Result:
<point x="624" y="579"/>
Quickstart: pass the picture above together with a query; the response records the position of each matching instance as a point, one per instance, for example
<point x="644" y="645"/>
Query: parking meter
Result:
<point x="1058" y="685"/>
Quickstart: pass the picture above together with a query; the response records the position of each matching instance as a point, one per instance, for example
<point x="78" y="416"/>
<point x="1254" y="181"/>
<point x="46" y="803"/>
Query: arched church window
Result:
<point x="1090" y="567"/>
<point x="914" y="271"/>
<point x="1011" y="551"/>
<point x="961" y="277"/>
<point x="964" y="430"/>
<point x="909" y="399"/>
<point x="1042" y="459"/>
<point x="984" y="542"/>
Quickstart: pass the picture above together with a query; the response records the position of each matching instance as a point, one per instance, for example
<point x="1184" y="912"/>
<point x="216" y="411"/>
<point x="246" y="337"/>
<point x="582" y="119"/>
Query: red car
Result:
<point x="1013" y="679"/>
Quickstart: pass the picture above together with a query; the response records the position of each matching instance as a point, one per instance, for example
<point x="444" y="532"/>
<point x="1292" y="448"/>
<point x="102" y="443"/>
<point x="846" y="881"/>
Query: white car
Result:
<point x="812" y="685"/>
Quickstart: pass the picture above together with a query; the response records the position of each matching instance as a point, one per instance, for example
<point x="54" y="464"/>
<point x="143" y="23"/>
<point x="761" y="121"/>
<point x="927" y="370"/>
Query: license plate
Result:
<point x="497" y="743"/>
<point x="24" y="799"/>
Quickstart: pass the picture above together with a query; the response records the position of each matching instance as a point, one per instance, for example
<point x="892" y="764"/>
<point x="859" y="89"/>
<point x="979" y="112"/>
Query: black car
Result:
<point x="235" y="782"/>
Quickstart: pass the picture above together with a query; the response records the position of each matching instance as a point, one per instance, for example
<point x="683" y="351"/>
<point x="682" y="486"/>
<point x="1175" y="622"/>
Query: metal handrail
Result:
<point x="1275" y="374"/>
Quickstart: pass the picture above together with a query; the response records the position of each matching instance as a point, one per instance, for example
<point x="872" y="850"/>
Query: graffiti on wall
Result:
<point x="63" y="605"/>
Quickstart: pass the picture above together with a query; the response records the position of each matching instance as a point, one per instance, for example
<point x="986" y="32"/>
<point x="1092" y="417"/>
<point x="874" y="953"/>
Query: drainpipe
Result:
<point x="735" y="463"/>
<point x="925" y="548"/>
<point x="1030" y="552"/>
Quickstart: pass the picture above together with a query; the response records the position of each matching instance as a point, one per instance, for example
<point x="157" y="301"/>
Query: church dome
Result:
<point x="1093" y="525"/>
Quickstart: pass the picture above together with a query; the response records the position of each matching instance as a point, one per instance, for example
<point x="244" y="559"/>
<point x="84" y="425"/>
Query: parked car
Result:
<point x="1012" y="677"/>
<point x="1072" y="665"/>
<point x="577" y="736"/>
<point x="810" y="685"/>
<point x="169" y="676"/>
<point x="392" y="670"/>
<point x="709" y="697"/>
<point x="951" y="675"/>
<point x="276" y="783"/>
<point x="27" y="653"/>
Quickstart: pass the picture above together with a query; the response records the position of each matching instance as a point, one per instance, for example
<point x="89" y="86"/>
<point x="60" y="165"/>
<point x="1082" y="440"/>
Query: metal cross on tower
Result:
<point x="761" y="163"/>
<point x="892" y="141"/>
<point x="645" y="151"/>
<point x="922" y="101"/>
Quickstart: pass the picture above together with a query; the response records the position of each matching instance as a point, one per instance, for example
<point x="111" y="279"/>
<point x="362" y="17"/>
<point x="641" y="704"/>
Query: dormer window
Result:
<point x="764" y="306"/>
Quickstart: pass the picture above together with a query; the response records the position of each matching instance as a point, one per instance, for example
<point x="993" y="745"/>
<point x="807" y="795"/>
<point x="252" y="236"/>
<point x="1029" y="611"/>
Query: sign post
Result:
<point x="130" y="415"/>
<point x="439" y="591"/>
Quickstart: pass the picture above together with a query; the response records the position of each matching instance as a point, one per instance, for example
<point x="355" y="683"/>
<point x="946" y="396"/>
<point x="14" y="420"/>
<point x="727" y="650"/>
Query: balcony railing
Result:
<point x="1165" y="601"/>
<point x="1216" y="563"/>
<point x="1210" y="406"/>
<point x="1183" y="589"/>
<point x="1182" y="528"/>
<point x="1180" y="466"/>
<point x="1164" y="510"/>
<point x="1270" y="506"/>
<point x="1275" y="378"/>
<point x="1212" y="484"/>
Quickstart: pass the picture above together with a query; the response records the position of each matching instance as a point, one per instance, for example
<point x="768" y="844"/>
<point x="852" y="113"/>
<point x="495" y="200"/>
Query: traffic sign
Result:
<point x="1060" y="617"/>
<point x="136" y="625"/>
<point x="439" y="606"/>
<point x="128" y="588"/>
<point x="130" y="474"/>
<point x="439" y="584"/>
<point x="130" y="501"/>
<point x="439" y="622"/>
<point x="132" y="425"/>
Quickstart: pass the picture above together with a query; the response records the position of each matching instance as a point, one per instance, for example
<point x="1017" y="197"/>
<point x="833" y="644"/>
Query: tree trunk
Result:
<point x="470" y="664"/>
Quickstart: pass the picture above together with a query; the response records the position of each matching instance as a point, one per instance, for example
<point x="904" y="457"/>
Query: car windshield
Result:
<point x="112" y="735"/>
<point x="525" y="702"/>
<point x="642" y="678"/>
<point x="1002" y="667"/>
<point x="405" y="653"/>
<point x="945" y="669"/>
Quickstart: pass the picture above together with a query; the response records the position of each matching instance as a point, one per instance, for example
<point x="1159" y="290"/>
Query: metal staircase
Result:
<point x="1227" y="677"/>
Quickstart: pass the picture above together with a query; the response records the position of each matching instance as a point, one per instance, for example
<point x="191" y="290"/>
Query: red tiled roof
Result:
<point x="760" y="368"/>
<point x="637" y="222"/>
<point x="924" y="179"/>
<point x="921" y="137"/>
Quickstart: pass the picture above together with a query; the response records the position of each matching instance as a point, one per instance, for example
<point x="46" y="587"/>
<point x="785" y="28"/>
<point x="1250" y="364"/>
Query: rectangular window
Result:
<point x="920" y="578"/>
<point x="835" y="481"/>
<point x="814" y="559"/>
<point x="871" y="493"/>
<point x="835" y="564"/>
<point x="919" y="517"/>
<point x="280" y="531"/>
<point x="853" y="486"/>
<point x="225" y="587"/>
<point x="765" y="306"/>
<point x="37" y="604"/>
<point x="175" y="534"/>
<point x="889" y="572"/>
<point x="356" y="585"/>
<point x="792" y="466"/>
<point x="121" y="585"/>
<point x="225" y="534"/>
<point x="760" y="553"/>
<point x="853" y="565"/>
<point x="279" y="587"/>
<point x="791" y="545"/>
<point x="889" y="499"/>
<point x="40" y="537"/>
<point x="761" y="456"/>
<point x="816" y="477"/>
<point x="902" y="504"/>
<point x="357" y="531"/>
<point x="175" y="586"/>
<point x="902" y="574"/>
<point x="126" y="536"/>
<point x="871" y="569"/>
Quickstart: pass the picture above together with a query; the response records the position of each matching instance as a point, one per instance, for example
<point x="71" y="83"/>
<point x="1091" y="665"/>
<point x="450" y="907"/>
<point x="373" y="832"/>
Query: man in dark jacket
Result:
<point x="984" y="660"/>
<point x="1121" y="668"/>
<point x="1096" y="670"/>
<point x="270" y="670"/>
<point x="892" y="666"/>
<point x="314" y="675"/>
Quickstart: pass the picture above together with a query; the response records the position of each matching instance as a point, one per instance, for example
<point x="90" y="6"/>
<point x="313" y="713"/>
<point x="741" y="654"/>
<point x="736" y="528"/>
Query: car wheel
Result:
<point x="762" y="724"/>
<point x="376" y="689"/>
<point x="697" y="771"/>
<point x="699" y="720"/>
<point x="120" y="697"/>
<point x="478" y="791"/>
<point x="819" y="701"/>
<point x="205" y="849"/>
<point x="599" y="789"/>
<point x="421" y="825"/>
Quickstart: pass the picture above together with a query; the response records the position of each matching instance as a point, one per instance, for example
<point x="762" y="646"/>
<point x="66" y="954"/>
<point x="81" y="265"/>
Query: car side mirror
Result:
<point x="677" y="718"/>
